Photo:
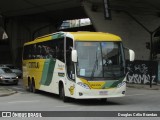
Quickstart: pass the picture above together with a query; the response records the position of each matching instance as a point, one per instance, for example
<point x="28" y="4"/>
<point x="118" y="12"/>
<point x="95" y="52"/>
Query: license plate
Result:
<point x="103" y="92"/>
<point x="9" y="81"/>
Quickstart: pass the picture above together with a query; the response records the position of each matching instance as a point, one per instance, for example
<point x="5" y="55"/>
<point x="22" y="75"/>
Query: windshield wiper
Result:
<point x="94" y="67"/>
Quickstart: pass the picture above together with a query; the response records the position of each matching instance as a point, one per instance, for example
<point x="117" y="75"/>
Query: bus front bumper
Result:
<point x="82" y="93"/>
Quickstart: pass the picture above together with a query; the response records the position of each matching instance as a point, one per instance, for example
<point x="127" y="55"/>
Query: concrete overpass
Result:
<point x="24" y="20"/>
<point x="136" y="21"/>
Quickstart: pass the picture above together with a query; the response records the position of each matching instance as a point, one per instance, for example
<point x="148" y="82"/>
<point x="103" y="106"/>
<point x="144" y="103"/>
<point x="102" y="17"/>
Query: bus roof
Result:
<point x="79" y="36"/>
<point x="94" y="36"/>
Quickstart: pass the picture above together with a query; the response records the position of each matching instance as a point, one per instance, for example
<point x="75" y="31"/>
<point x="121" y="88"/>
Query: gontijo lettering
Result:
<point x="33" y="64"/>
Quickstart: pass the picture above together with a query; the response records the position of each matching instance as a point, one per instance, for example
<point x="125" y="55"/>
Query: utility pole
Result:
<point x="151" y="57"/>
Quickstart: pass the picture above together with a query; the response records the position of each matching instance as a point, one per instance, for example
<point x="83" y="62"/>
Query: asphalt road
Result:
<point x="135" y="100"/>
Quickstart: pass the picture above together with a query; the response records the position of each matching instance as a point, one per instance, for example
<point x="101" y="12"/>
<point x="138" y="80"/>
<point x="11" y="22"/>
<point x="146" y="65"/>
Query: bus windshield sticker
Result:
<point x="82" y="72"/>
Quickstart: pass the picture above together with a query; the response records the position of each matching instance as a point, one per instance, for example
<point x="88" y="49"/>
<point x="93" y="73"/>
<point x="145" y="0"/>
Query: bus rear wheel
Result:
<point x="30" y="86"/>
<point x="34" y="90"/>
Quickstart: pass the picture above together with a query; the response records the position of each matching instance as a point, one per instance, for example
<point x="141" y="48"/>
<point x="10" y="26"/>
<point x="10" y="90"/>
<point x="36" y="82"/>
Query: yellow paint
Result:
<point x="81" y="36"/>
<point x="94" y="36"/>
<point x="85" y="82"/>
<point x="71" y="89"/>
<point x="41" y="39"/>
<point x="93" y="84"/>
<point x="97" y="85"/>
<point x="60" y="68"/>
<point x="35" y="72"/>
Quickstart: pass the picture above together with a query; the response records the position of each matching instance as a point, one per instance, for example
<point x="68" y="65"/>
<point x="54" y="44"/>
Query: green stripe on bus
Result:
<point x="112" y="84"/>
<point x="59" y="35"/>
<point x="48" y="70"/>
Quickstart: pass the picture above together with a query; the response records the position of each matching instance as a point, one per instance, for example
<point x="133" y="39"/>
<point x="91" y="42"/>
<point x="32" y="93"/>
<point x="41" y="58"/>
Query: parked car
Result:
<point x="7" y="76"/>
<point x="14" y="69"/>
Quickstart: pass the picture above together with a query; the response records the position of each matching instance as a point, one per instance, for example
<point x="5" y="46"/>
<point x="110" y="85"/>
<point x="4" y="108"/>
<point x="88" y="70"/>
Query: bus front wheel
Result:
<point x="62" y="94"/>
<point x="103" y="100"/>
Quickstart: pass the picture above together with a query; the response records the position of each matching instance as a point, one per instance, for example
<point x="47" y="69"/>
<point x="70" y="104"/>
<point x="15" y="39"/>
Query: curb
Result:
<point x="7" y="92"/>
<point x="147" y="87"/>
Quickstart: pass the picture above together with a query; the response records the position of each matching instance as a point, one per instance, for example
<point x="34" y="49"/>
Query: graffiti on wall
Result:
<point x="142" y="72"/>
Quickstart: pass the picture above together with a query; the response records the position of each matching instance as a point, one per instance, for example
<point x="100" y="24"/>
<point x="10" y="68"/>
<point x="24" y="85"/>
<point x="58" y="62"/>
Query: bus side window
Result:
<point x="30" y="52"/>
<point x="34" y="51"/>
<point x="26" y="52"/>
<point x="39" y="47"/>
<point x="53" y="51"/>
<point x="60" y="49"/>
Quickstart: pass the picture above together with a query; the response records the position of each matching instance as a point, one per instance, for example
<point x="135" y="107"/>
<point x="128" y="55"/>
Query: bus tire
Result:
<point x="29" y="85"/>
<point x="103" y="100"/>
<point x="62" y="94"/>
<point x="34" y="90"/>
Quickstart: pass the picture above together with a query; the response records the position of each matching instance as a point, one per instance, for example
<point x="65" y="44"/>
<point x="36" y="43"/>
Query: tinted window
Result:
<point x="45" y="50"/>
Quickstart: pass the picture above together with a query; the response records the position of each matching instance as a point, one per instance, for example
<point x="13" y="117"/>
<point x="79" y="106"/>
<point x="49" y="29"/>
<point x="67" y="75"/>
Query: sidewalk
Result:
<point x="6" y="91"/>
<point x="142" y="86"/>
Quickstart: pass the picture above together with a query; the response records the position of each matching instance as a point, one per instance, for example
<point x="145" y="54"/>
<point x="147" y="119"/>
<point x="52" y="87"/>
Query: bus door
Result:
<point x="70" y="70"/>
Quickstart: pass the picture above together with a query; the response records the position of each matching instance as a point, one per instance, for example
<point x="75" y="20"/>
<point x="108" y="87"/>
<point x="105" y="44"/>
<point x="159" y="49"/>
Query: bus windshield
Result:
<point x="103" y="60"/>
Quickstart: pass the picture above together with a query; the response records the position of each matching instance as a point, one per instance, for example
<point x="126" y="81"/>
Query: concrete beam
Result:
<point x="133" y="34"/>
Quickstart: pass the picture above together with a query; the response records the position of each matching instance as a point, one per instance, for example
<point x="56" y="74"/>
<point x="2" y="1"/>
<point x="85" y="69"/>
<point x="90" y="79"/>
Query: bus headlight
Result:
<point x="83" y="85"/>
<point x="121" y="84"/>
<point x="17" y="77"/>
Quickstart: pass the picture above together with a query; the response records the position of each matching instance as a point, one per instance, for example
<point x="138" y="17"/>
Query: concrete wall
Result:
<point x="24" y="29"/>
<point x="133" y="35"/>
<point x="5" y="54"/>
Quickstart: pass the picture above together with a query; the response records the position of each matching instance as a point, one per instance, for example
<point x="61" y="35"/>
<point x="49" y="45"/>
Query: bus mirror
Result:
<point x="74" y="55"/>
<point x="131" y="55"/>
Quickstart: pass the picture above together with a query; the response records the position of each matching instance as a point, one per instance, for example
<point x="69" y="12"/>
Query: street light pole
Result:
<point x="151" y="57"/>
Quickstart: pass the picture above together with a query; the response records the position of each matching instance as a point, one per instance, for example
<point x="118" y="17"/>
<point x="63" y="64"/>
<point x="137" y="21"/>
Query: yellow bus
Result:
<point x="80" y="65"/>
